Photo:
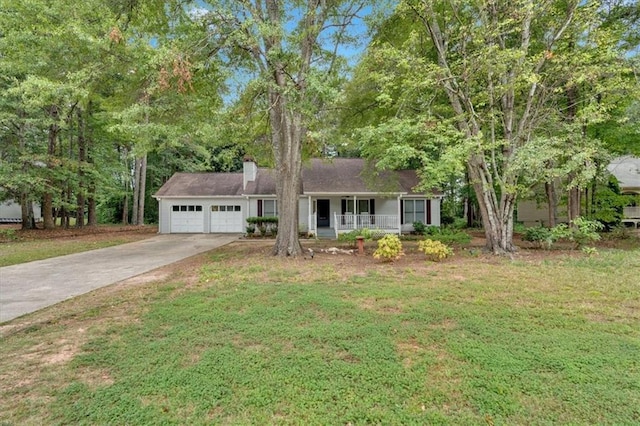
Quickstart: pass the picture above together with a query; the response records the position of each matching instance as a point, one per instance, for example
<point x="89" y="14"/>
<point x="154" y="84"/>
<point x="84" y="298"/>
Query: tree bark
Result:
<point x="136" y="190"/>
<point x="142" y="184"/>
<point x="82" y="159"/>
<point x="552" y="203"/>
<point x="285" y="136"/>
<point x="47" y="202"/>
<point x="574" y="203"/>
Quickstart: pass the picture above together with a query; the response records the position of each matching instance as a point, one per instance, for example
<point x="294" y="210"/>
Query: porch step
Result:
<point x="326" y="233"/>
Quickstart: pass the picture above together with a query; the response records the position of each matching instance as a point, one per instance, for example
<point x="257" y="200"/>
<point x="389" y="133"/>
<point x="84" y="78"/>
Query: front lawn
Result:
<point x="238" y="337"/>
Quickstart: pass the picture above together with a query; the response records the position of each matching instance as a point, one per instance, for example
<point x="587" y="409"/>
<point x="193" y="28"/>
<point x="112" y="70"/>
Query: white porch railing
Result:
<point x="349" y="222"/>
<point x="631" y="212"/>
<point x="313" y="223"/>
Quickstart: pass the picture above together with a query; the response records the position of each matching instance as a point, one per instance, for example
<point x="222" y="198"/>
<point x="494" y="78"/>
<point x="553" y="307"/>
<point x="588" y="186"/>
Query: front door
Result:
<point x="324" y="210"/>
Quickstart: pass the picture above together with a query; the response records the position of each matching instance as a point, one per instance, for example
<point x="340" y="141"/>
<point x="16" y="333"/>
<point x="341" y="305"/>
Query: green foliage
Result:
<point x="539" y="235"/>
<point x="585" y="231"/>
<point x="260" y="220"/>
<point x="448" y="235"/>
<point x="419" y="228"/>
<point x="8" y="235"/>
<point x="389" y="248"/>
<point x="256" y="342"/>
<point x="590" y="251"/>
<point x="435" y="250"/>
<point x="608" y="204"/>
<point x="352" y="236"/>
<point x="582" y="231"/>
<point x="264" y="224"/>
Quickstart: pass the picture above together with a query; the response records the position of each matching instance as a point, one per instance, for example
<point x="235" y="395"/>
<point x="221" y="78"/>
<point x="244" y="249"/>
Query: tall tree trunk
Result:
<point x="552" y="203"/>
<point x="286" y="134"/>
<point x="92" y="217"/>
<point x="142" y="185"/>
<point x="26" y="204"/>
<point x="496" y="215"/>
<point x="136" y="190"/>
<point x="47" y="202"/>
<point x="125" y="209"/>
<point x="574" y="203"/>
<point x="82" y="159"/>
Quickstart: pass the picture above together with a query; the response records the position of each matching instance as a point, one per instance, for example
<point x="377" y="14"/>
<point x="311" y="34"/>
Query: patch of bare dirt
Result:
<point x="97" y="233"/>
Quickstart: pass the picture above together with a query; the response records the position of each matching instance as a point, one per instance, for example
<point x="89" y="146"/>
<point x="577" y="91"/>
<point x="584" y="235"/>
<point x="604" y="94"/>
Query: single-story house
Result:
<point x="11" y="212"/>
<point x="626" y="169"/>
<point x="337" y="195"/>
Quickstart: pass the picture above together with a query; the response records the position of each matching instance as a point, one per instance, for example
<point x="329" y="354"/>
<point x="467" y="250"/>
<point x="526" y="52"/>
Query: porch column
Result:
<point x="355" y="212"/>
<point x="310" y="217"/>
<point x="399" y="215"/>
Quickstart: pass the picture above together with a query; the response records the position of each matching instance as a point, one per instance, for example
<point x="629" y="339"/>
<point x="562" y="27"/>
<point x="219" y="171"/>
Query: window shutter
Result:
<point x="259" y="208"/>
<point x="428" y="212"/>
<point x="401" y="212"/>
<point x="344" y="206"/>
<point x="372" y="210"/>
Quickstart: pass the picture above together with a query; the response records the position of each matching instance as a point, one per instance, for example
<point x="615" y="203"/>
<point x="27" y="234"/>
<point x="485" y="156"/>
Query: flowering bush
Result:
<point x="389" y="248"/>
<point x="435" y="250"/>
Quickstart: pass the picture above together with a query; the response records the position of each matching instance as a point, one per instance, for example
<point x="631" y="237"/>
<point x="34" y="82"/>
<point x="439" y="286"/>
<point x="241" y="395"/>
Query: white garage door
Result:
<point x="226" y="218"/>
<point x="187" y="219"/>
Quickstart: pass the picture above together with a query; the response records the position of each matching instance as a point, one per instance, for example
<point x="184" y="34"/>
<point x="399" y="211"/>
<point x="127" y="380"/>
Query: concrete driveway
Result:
<point x="31" y="286"/>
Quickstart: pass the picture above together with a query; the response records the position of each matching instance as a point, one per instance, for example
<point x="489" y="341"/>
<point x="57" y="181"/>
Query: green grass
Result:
<point x="257" y="340"/>
<point x="14" y="253"/>
<point x="15" y="249"/>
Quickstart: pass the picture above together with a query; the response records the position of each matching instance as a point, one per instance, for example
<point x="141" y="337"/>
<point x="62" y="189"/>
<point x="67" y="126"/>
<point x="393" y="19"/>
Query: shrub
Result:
<point x="351" y="237"/>
<point x="435" y="250"/>
<point x="264" y="224"/>
<point x="539" y="235"/>
<point x="251" y="229"/>
<point x="389" y="248"/>
<point x="447" y="236"/>
<point x="419" y="228"/>
<point x="582" y="232"/>
<point x="585" y="231"/>
<point x="8" y="234"/>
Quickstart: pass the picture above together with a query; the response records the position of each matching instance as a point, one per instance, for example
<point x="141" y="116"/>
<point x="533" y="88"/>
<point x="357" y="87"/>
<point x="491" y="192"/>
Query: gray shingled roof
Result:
<point x="353" y="175"/>
<point x="201" y="185"/>
<point x="338" y="176"/>
<point x="627" y="170"/>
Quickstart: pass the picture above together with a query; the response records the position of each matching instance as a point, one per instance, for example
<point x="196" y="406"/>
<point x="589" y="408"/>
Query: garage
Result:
<point x="226" y="218"/>
<point x="187" y="218"/>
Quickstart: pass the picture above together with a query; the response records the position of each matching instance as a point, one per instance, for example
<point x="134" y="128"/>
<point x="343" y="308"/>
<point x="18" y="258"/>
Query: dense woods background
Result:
<point x="102" y="101"/>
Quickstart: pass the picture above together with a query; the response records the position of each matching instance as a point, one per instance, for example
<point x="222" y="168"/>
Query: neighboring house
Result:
<point x="626" y="170"/>
<point x="337" y="196"/>
<point x="11" y="212"/>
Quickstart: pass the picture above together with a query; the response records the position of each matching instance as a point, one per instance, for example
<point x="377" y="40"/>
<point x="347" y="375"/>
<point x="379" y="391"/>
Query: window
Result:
<point x="363" y="206"/>
<point x="414" y="211"/>
<point x="186" y="208"/>
<point x="267" y="208"/>
<point x="219" y="208"/>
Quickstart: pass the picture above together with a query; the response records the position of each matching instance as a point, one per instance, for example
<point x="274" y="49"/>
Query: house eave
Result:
<point x="162" y="197"/>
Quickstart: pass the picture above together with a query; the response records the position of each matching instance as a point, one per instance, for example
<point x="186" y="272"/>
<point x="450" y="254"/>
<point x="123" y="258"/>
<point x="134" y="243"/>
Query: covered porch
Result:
<point x="631" y="216"/>
<point x="329" y="215"/>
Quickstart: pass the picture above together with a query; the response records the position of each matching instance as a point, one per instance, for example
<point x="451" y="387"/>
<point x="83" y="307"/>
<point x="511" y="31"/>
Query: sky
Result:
<point x="351" y="51"/>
